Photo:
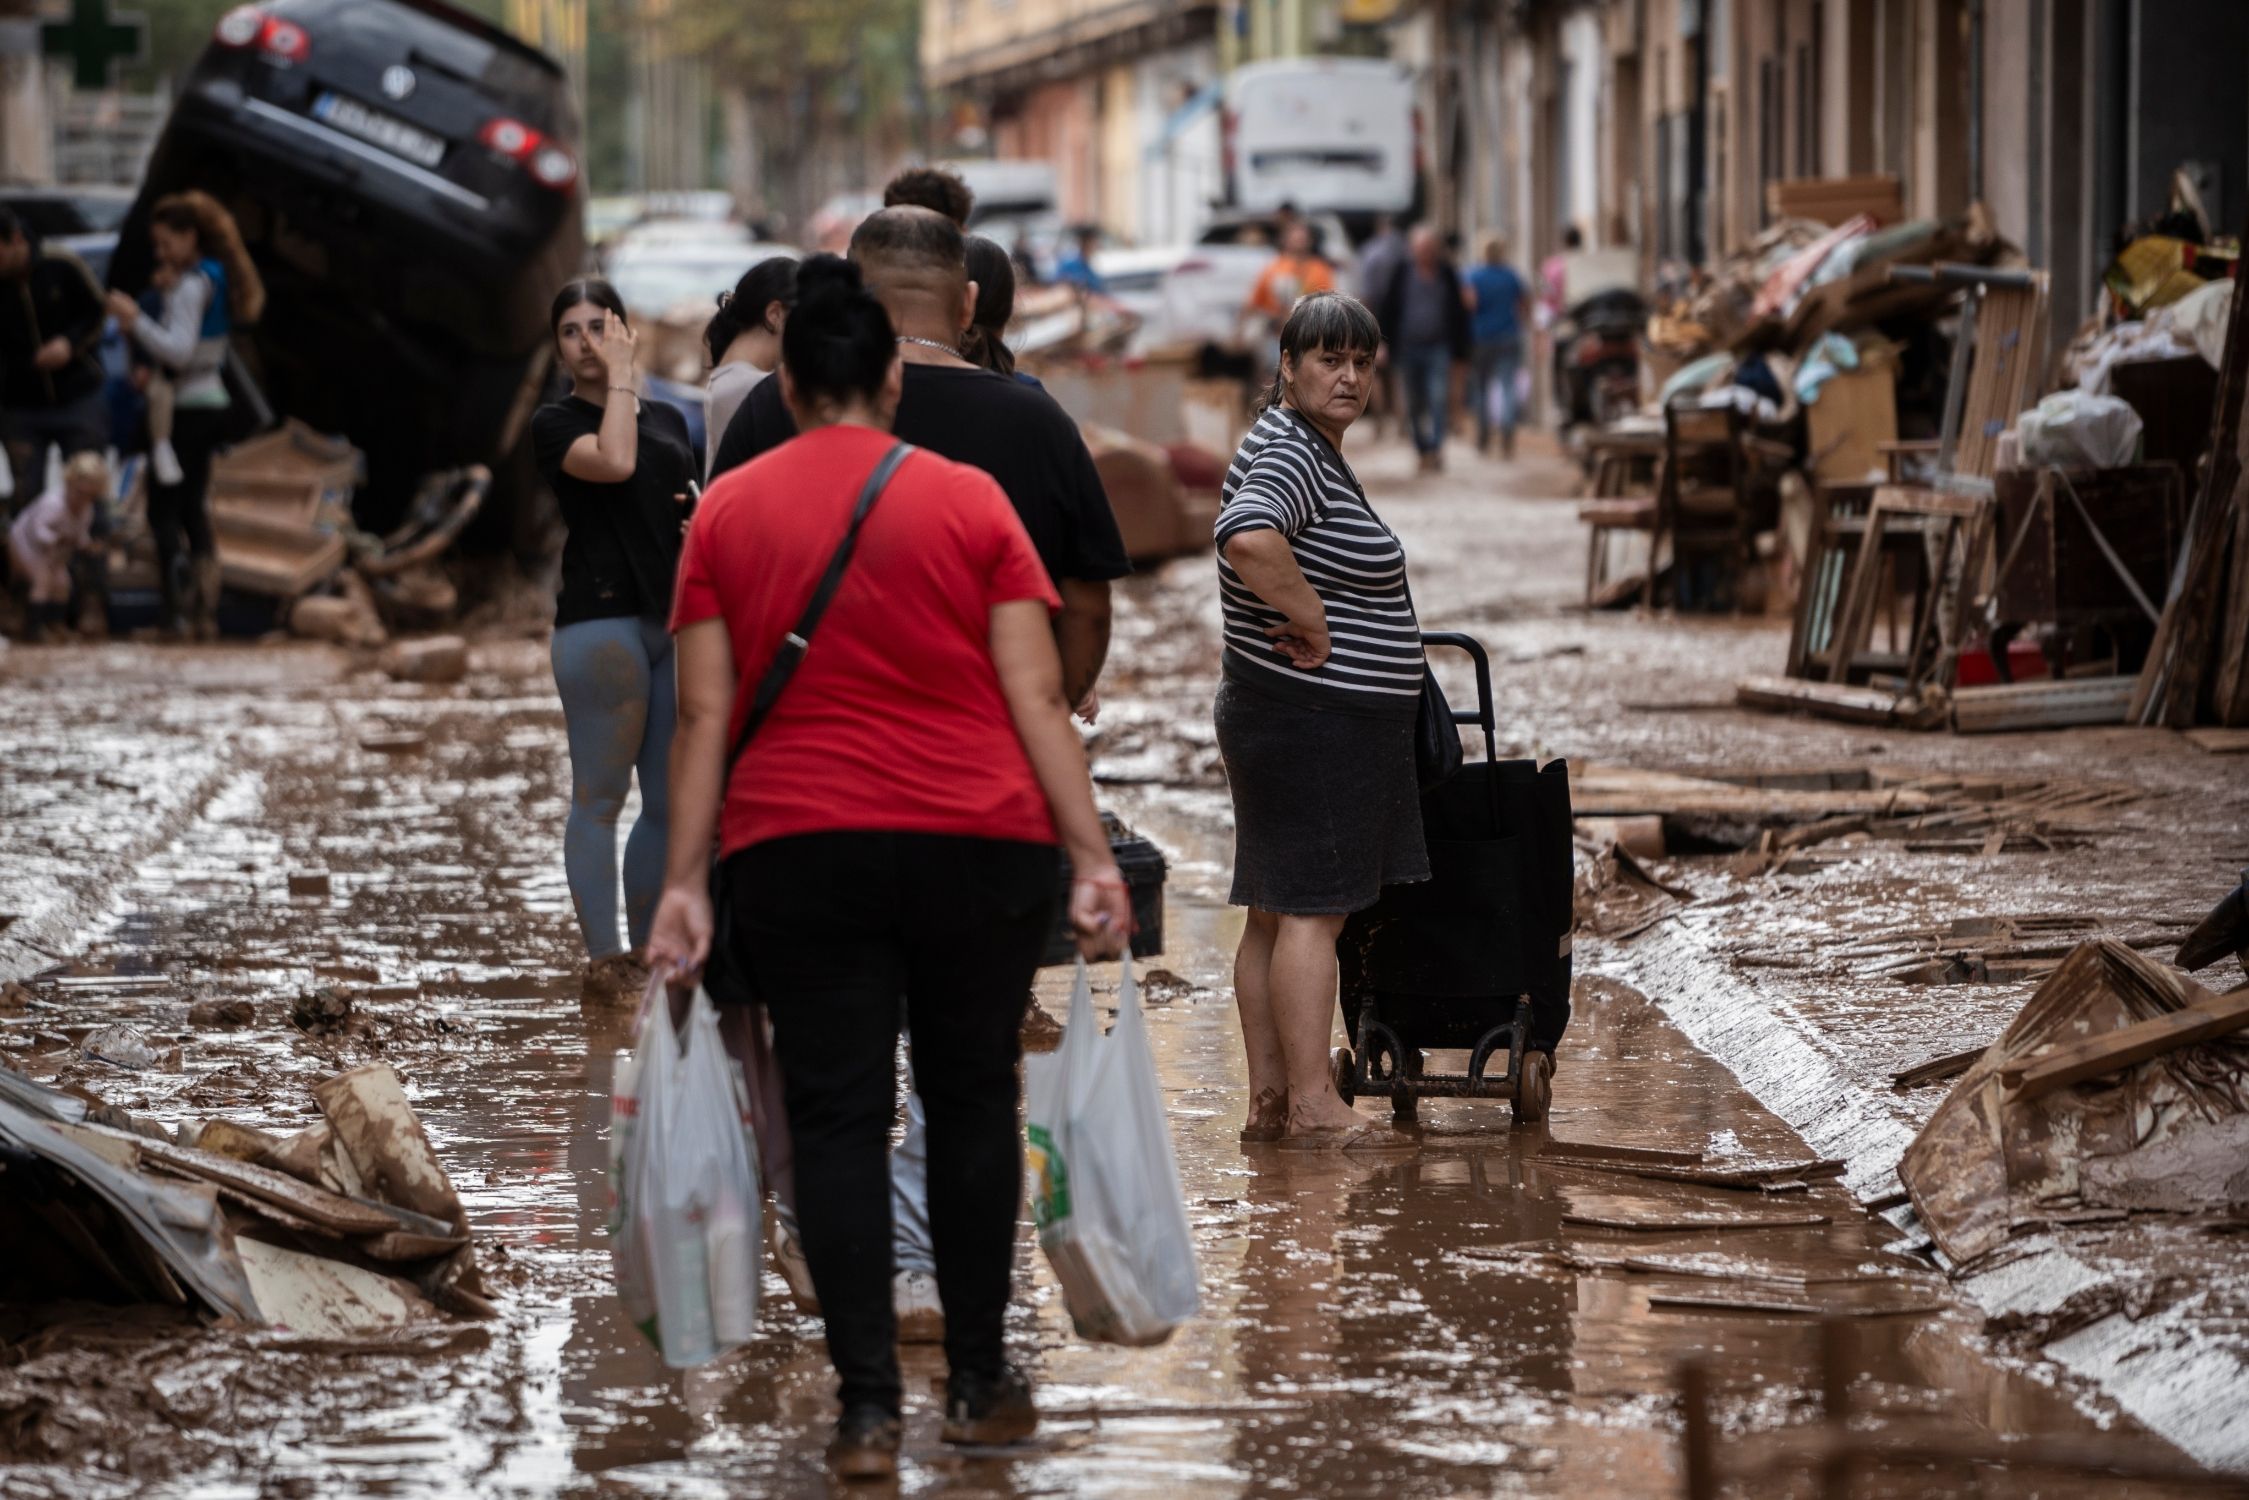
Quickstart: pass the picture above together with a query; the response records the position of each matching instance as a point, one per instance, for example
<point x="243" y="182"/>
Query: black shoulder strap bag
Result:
<point x="721" y="976"/>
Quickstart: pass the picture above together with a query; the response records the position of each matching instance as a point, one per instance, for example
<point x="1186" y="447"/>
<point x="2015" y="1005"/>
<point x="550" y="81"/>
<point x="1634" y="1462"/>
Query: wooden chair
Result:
<point x="1622" y="499"/>
<point x="1716" y="485"/>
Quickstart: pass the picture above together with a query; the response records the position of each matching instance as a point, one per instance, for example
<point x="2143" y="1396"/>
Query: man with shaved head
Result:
<point x="913" y="260"/>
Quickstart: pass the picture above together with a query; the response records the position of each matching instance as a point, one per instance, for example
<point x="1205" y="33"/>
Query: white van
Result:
<point x="1324" y="133"/>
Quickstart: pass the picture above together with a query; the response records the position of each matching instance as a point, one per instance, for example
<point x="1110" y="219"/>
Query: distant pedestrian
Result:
<point x="993" y="272"/>
<point x="50" y="378"/>
<point x="619" y="468"/>
<point x="743" y="342"/>
<point x="1554" y="275"/>
<point x="1297" y="271"/>
<point x="53" y="546"/>
<point x="210" y="287"/>
<point x="1425" y="323"/>
<point x="1315" y="715"/>
<point x="1379" y="259"/>
<point x="1502" y="310"/>
<point x="938" y="189"/>
<point x="860" y="869"/>
<point x="1076" y="266"/>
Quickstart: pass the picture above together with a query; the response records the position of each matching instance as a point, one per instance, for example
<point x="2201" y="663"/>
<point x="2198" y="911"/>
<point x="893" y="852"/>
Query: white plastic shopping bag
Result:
<point x="1105" y="1184"/>
<point x="684" y="1210"/>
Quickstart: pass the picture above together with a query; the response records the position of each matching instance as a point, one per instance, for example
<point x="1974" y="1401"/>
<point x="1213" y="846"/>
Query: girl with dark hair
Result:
<point x="985" y="343"/>
<point x="1315" y="715"/>
<point x="743" y="342"/>
<point x="853" y="873"/>
<point x="208" y="285"/>
<point x="620" y="469"/>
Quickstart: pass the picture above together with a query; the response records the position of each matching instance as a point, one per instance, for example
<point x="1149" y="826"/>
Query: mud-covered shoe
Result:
<point x="620" y="978"/>
<point x="865" y="1447"/>
<point x="985" y="1411"/>
<point x="788" y="1259"/>
<point x="921" y="1316"/>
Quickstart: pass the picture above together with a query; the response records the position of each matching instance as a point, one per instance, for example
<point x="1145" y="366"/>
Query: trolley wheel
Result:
<point x="1340" y="1069"/>
<point x="1534" y="1089"/>
<point x="1404" y="1106"/>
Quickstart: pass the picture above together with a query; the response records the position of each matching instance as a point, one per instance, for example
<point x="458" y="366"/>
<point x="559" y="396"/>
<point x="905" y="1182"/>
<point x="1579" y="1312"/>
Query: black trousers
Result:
<point x="831" y="930"/>
<point x="181" y="512"/>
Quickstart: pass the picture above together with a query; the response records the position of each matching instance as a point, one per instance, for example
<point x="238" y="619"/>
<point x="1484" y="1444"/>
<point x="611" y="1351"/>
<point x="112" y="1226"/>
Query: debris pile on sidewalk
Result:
<point x="2108" y="524"/>
<point x="281" y="514"/>
<point x="2122" y="1086"/>
<point x="348" y="1227"/>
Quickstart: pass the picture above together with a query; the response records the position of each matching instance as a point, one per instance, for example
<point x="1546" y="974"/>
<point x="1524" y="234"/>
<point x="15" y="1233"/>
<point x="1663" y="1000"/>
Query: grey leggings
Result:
<point x="620" y="700"/>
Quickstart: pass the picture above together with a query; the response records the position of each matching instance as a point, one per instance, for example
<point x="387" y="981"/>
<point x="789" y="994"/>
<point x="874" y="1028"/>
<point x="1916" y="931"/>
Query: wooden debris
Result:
<point x="2220" y="741"/>
<point x="2203" y="1019"/>
<point x="1852" y="705"/>
<point x="1773" y="1306"/>
<point x="1556" y="1150"/>
<point x="1667" y="1219"/>
<point x="329" y="1211"/>
<point x="1935" y="1069"/>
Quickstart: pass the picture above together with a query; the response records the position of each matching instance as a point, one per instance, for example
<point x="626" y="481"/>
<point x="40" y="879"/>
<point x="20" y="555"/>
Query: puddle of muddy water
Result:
<point x="1419" y="1325"/>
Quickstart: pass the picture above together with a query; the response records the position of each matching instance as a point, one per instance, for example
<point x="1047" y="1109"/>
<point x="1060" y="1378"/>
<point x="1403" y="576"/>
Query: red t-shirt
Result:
<point x="894" y="720"/>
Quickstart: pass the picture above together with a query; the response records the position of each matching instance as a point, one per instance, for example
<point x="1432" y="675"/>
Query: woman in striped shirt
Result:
<point x="1315" y="716"/>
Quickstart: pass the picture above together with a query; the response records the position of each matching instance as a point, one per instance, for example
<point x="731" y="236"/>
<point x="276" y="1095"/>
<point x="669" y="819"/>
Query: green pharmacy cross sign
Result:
<point x="92" y="39"/>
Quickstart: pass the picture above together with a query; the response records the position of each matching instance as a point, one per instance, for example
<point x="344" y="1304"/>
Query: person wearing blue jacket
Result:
<point x="209" y="286"/>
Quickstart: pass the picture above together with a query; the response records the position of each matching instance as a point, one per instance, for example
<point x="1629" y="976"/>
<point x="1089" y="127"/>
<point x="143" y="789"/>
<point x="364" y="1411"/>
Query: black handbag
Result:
<point x="721" y="976"/>
<point x="1436" y="735"/>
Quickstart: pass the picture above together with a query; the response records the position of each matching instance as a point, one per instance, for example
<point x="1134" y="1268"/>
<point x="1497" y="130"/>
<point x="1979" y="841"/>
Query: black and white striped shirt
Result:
<point x="1287" y="478"/>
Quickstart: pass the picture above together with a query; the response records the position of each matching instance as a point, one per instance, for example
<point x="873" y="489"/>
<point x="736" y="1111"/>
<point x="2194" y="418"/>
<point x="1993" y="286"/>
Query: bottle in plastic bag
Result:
<point x="1105" y="1183"/>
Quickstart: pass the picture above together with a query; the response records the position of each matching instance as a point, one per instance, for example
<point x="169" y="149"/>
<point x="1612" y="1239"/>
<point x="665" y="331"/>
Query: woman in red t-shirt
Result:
<point x="889" y="831"/>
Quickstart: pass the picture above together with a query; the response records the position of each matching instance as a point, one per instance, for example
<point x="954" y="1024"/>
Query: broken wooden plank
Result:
<point x="1936" y="1069"/>
<point x="1692" y="1219"/>
<point x="1555" y="1150"/>
<point x="1771" y="1306"/>
<point x="2219" y="741"/>
<point x="331" y="1211"/>
<point x="2200" y="1021"/>
<point x="1853" y="705"/>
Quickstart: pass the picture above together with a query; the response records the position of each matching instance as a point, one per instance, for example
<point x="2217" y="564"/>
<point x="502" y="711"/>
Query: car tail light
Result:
<point x="550" y="164"/>
<point x="246" y="26"/>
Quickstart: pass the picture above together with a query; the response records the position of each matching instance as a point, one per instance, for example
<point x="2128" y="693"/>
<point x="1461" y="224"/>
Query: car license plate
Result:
<point x="393" y="135"/>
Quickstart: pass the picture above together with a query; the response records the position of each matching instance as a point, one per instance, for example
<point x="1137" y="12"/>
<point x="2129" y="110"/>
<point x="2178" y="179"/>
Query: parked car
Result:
<point x="59" y="210"/>
<point x="1135" y="277"/>
<point x="1204" y="294"/>
<point x="406" y="176"/>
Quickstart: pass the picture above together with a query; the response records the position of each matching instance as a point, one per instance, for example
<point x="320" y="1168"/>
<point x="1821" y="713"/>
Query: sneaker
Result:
<point x="985" y="1411"/>
<point x="788" y="1258"/>
<point x="165" y="461"/>
<point x="921" y="1316"/>
<point x="865" y="1446"/>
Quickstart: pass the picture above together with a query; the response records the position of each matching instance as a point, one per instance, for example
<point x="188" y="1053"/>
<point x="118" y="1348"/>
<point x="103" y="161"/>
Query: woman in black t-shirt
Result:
<point x="620" y="469"/>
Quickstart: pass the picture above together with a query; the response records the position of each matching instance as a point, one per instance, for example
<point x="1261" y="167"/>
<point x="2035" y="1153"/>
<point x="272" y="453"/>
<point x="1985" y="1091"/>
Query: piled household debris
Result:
<point x="347" y="1227"/>
<point x="2107" y="522"/>
<point x="281" y="514"/>
<point x="2122" y="1086"/>
<point x="1157" y="439"/>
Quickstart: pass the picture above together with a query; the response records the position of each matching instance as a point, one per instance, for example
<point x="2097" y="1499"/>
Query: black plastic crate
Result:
<point x="1142" y="865"/>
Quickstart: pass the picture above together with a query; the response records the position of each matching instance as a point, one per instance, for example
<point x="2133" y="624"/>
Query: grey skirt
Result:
<point x="1327" y="808"/>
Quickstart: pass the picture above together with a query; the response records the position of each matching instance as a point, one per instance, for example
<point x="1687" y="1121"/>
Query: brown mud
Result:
<point x="1454" y="1321"/>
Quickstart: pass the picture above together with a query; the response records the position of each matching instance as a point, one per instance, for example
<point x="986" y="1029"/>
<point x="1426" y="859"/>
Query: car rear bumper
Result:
<point x="495" y="234"/>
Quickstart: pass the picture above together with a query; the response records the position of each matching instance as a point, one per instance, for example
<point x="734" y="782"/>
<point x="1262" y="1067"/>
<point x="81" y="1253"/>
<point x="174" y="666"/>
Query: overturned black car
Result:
<point x="406" y="176"/>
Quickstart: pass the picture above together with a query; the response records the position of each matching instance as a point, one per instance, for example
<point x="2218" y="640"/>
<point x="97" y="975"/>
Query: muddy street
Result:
<point x="1502" y="1311"/>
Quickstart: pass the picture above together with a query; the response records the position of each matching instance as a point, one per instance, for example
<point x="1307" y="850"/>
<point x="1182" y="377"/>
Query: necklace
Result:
<point x="907" y="338"/>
